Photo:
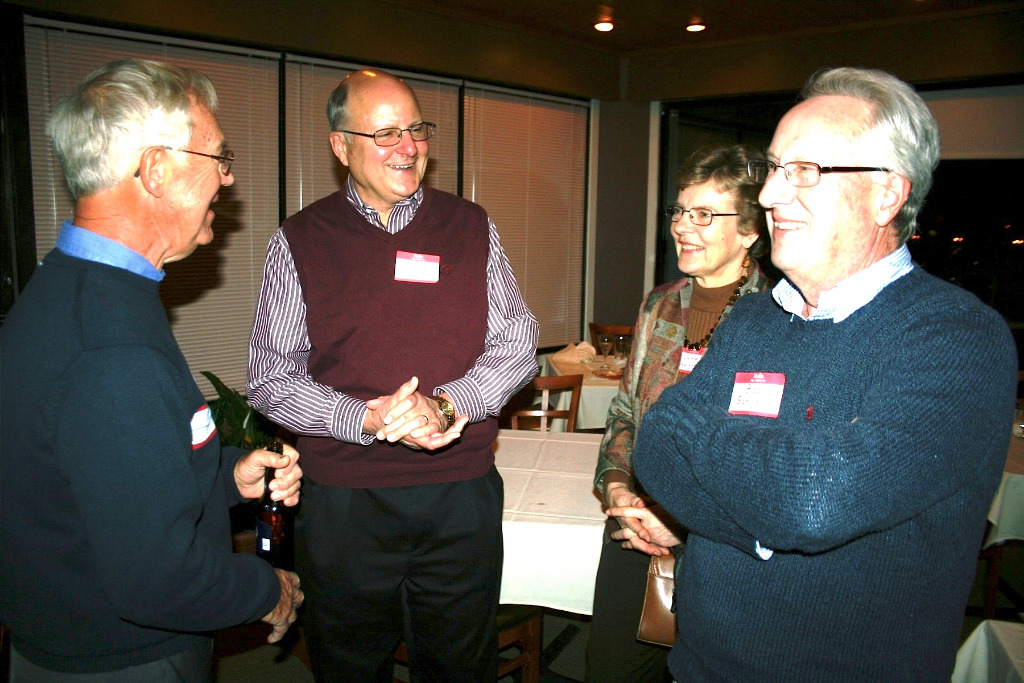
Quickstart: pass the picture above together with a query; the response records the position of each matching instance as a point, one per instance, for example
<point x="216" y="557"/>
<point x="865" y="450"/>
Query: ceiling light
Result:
<point x="696" y="25"/>
<point x="604" y="19"/>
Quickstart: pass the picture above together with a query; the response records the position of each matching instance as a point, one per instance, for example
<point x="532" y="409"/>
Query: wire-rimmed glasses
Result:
<point x="389" y="137"/>
<point x="699" y="217"/>
<point x="224" y="159"/>
<point x="801" y="173"/>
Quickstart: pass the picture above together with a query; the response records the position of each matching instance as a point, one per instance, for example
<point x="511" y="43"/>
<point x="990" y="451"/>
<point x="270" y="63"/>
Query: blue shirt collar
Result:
<point x="86" y="244"/>
<point x="856" y="291"/>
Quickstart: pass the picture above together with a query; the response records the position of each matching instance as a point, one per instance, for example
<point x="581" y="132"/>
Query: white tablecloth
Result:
<point x="994" y="653"/>
<point x="595" y="397"/>
<point x="553" y="521"/>
<point x="1007" y="511"/>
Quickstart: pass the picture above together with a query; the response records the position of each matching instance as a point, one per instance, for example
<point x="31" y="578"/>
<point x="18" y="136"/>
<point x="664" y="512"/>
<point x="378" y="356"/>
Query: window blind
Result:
<point x="525" y="162"/>
<point x="211" y="295"/>
<point x="523" y="158"/>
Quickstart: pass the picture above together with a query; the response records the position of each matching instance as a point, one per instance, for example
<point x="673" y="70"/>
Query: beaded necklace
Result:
<point x="698" y="345"/>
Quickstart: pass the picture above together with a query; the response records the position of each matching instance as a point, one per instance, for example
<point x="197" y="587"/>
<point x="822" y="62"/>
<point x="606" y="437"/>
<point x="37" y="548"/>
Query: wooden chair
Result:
<point x="519" y="642"/>
<point x="545" y="411"/>
<point x="596" y="330"/>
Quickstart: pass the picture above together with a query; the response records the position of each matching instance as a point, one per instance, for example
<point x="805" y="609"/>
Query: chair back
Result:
<point x="596" y="330"/>
<point x="545" y="409"/>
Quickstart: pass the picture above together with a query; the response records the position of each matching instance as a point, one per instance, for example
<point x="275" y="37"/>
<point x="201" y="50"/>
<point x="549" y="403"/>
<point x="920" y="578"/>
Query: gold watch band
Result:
<point x="447" y="409"/>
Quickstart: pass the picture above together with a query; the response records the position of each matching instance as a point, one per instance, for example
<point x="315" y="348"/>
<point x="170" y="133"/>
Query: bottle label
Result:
<point x="263" y="536"/>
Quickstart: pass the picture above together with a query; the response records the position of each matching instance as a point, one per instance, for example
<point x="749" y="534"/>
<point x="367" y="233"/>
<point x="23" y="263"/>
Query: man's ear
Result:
<point x="152" y="171"/>
<point x="339" y="146"/>
<point x="895" y="192"/>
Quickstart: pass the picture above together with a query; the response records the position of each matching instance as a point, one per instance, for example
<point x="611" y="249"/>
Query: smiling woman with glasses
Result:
<point x="717" y="239"/>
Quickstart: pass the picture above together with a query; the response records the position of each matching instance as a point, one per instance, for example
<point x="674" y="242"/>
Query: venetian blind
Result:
<point x="211" y="295"/>
<point x="525" y="160"/>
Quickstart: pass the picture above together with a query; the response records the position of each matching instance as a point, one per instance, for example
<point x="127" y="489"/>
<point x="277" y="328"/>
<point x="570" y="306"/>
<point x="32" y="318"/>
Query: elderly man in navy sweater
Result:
<point x="835" y="453"/>
<point x="116" y="555"/>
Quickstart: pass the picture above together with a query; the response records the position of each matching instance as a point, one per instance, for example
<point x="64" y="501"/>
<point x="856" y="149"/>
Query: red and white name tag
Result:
<point x="757" y="393"/>
<point x="688" y="361"/>
<point x="410" y="267"/>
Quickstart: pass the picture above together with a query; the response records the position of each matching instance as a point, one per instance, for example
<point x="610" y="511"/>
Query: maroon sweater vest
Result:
<point x="369" y="333"/>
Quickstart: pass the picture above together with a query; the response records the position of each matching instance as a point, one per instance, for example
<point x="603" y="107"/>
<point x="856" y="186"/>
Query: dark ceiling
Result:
<point x="652" y="25"/>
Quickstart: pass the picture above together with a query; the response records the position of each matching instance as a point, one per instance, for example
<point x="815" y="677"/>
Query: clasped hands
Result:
<point x="641" y="527"/>
<point x="410" y="418"/>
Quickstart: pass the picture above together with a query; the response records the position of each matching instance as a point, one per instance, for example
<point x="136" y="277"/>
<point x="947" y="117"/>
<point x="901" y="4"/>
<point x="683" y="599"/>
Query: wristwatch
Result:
<point x="447" y="409"/>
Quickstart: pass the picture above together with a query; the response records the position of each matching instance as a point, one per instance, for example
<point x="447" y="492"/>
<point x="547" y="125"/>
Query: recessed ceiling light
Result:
<point x="696" y="25"/>
<point x="604" y="26"/>
<point x="604" y="19"/>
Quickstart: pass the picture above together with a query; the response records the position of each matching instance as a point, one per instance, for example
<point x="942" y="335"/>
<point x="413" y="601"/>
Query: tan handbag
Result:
<point x="658" y="618"/>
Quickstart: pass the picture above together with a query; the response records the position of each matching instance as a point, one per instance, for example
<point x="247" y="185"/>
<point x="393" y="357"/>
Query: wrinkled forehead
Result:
<point x="821" y="127"/>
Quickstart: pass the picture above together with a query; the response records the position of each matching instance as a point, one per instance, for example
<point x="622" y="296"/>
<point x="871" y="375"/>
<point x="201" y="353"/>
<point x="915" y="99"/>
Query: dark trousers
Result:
<point x="416" y="562"/>
<point x="614" y="655"/>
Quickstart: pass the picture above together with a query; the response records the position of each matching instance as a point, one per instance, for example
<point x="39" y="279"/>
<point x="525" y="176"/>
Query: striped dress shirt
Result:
<point x="279" y="383"/>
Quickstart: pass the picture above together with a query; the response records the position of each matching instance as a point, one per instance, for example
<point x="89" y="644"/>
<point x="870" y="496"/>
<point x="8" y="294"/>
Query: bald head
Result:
<point x="359" y="85"/>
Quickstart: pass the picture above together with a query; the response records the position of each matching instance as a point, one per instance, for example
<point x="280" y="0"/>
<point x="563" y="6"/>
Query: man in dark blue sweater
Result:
<point x="835" y="453"/>
<point x="116" y="554"/>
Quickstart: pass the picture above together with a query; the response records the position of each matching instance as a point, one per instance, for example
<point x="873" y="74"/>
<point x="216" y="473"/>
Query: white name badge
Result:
<point x="688" y="361"/>
<point x="410" y="267"/>
<point x="757" y="393"/>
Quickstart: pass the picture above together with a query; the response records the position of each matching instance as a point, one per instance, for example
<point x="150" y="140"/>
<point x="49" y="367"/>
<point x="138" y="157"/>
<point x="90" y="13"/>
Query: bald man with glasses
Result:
<point x="389" y="333"/>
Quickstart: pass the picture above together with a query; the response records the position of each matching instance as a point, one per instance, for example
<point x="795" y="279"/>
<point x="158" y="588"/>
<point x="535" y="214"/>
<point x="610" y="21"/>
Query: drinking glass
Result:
<point x="606" y="344"/>
<point x="623" y="343"/>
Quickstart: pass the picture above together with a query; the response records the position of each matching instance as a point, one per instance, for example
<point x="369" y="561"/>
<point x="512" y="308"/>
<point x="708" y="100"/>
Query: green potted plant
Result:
<point x="238" y="424"/>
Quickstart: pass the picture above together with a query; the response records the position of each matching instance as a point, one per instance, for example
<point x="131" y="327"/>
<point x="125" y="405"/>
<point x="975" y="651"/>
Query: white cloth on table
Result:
<point x="553" y="520"/>
<point x="993" y="653"/>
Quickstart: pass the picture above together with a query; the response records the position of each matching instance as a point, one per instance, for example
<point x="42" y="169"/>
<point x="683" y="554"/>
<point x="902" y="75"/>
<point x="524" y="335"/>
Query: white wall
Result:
<point x="980" y="123"/>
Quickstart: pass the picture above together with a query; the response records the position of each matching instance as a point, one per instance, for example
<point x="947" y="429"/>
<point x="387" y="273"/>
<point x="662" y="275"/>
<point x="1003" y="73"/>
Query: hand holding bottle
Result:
<point x="250" y="468"/>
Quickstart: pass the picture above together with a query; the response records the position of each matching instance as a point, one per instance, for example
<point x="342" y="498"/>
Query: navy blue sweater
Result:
<point x="115" y="542"/>
<point x="871" y="487"/>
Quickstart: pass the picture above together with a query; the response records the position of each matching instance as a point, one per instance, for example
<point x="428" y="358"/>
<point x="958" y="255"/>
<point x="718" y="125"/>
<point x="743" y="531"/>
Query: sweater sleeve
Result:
<point x="145" y="494"/>
<point x="907" y="415"/>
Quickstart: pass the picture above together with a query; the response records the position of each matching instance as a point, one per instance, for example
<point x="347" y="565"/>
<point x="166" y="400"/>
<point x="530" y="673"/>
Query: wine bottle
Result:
<point x="272" y="522"/>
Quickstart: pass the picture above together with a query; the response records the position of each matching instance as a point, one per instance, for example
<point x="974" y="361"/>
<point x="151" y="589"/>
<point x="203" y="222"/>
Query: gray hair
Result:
<point x="901" y="118"/>
<point x="119" y="109"/>
<point x="337" y="114"/>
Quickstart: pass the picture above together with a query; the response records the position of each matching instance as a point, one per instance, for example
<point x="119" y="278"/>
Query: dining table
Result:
<point x="552" y="520"/>
<point x="1007" y="510"/>
<point x="597" y="391"/>
<point x="993" y="652"/>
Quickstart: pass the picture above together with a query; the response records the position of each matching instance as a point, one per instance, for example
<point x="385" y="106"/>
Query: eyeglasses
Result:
<point x="700" y="217"/>
<point x="801" y="173"/>
<point x="223" y="160"/>
<point x="389" y="137"/>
